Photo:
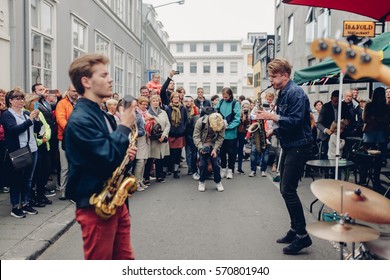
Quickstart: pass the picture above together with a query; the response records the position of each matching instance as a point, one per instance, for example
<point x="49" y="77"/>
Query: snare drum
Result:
<point x="377" y="249"/>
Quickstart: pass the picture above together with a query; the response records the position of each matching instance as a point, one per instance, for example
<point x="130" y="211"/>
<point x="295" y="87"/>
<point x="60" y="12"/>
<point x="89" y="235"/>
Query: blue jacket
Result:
<point x="12" y="130"/>
<point x="293" y="108"/>
<point x="225" y="109"/>
<point x="93" y="152"/>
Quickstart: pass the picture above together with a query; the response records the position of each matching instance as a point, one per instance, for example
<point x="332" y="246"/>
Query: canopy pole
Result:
<point x="338" y="124"/>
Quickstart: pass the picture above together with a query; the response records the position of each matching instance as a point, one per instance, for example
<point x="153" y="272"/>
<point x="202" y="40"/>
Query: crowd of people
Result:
<point x="213" y="137"/>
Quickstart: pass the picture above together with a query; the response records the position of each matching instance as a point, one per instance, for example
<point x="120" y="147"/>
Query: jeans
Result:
<point x="264" y="159"/>
<point x="203" y="162"/>
<point x="22" y="182"/>
<point x="105" y="239"/>
<point x="255" y="157"/>
<point x="291" y="168"/>
<point x="191" y="155"/>
<point x="240" y="148"/>
<point x="229" y="150"/>
<point x="42" y="170"/>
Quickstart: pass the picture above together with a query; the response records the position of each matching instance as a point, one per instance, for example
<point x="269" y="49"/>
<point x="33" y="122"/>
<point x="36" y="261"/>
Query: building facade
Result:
<point x="297" y="26"/>
<point x="213" y="65"/>
<point x="40" y="38"/>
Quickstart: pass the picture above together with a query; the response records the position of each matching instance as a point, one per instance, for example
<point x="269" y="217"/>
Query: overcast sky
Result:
<point x="215" y="19"/>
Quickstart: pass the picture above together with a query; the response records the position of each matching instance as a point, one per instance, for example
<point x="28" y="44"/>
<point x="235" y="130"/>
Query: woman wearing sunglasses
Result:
<point x="19" y="127"/>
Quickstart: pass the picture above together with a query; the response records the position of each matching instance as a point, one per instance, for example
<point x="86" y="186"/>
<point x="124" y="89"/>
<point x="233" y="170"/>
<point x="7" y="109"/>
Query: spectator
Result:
<point x="154" y="85"/>
<point x="241" y="132"/>
<point x="214" y="100"/>
<point x="144" y="92"/>
<point x="208" y="137"/>
<point x="19" y="127"/>
<point x="42" y="169"/>
<point x="201" y="101"/>
<point x="158" y="148"/>
<point x="167" y="89"/>
<point x="63" y="111"/>
<point x="3" y="182"/>
<point x="182" y="93"/>
<point x="332" y="151"/>
<point x="115" y="96"/>
<point x="355" y="126"/>
<point x="177" y="116"/>
<point x="388" y="95"/>
<point x="112" y="109"/>
<point x="241" y="98"/>
<point x="230" y="110"/>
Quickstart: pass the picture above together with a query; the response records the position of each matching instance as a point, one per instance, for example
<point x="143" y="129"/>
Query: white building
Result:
<point x="213" y="65"/>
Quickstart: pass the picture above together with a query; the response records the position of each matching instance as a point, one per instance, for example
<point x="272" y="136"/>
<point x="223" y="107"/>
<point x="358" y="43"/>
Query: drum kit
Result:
<point x="353" y="202"/>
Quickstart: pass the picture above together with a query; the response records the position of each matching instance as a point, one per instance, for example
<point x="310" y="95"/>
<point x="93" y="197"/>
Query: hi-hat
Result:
<point x="358" y="202"/>
<point x="335" y="231"/>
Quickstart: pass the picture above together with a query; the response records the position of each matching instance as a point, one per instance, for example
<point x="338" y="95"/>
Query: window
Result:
<point x="220" y="67"/>
<point x="42" y="42"/>
<point x="79" y="37"/>
<point x="323" y="23"/>
<point x="249" y="79"/>
<point x="193" y="67"/>
<point x="206" y="67"/>
<point x="192" y="47"/>
<point x="206" y="47"/>
<point x="233" y="87"/>
<point x="249" y="59"/>
<point x="180" y="67"/>
<point x="130" y="75"/>
<point x="102" y="45"/>
<point x="219" y="47"/>
<point x="118" y="70"/>
<point x="233" y="47"/>
<point x="233" y="67"/>
<point x="310" y="29"/>
<point x="290" y="37"/>
<point x="130" y="14"/>
<point x="206" y="88"/>
<point x="179" y="48"/>
<point x="193" y="87"/>
<point x="119" y="8"/>
<point x="179" y="85"/>
<point x="277" y="2"/>
<point x="138" y="74"/>
<point x="278" y="38"/>
<point x="219" y="87"/>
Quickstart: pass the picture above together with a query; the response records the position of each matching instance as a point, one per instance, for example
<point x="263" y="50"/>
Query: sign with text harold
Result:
<point x="359" y="28"/>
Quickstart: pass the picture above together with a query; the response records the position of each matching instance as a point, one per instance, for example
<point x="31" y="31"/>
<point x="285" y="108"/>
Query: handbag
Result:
<point x="22" y="157"/>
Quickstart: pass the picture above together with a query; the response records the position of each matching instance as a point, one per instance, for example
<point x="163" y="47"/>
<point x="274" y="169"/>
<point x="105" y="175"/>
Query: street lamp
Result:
<point x="144" y="25"/>
<point x="151" y="7"/>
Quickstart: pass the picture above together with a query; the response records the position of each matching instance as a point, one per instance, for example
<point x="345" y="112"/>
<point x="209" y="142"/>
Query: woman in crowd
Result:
<point x="241" y="132"/>
<point x="19" y="127"/>
<point x="177" y="115"/>
<point x="158" y="148"/>
<point x="42" y="169"/>
<point x="142" y="142"/>
<point x="112" y="105"/>
<point x="214" y="100"/>
<point x="376" y="118"/>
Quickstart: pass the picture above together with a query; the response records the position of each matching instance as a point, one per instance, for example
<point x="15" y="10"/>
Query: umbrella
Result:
<point x="376" y="9"/>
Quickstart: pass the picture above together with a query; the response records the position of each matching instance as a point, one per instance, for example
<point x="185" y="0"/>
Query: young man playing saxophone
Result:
<point x="94" y="151"/>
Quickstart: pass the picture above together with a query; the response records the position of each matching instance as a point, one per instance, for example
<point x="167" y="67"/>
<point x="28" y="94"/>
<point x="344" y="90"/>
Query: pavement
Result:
<point x="28" y="238"/>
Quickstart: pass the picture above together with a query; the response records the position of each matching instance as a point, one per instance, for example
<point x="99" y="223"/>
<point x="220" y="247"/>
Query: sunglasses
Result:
<point x="18" y="97"/>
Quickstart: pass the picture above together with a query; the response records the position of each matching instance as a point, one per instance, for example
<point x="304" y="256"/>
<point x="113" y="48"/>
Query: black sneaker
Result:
<point x="176" y="175"/>
<point x="49" y="192"/>
<point x="240" y="171"/>
<point x="27" y="209"/>
<point x="45" y="200"/>
<point x="288" y="238"/>
<point x="160" y="180"/>
<point x="35" y="202"/>
<point x="297" y="245"/>
<point x="18" y="213"/>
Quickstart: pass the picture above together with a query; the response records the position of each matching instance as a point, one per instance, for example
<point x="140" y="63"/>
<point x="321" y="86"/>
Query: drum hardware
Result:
<point x="359" y="202"/>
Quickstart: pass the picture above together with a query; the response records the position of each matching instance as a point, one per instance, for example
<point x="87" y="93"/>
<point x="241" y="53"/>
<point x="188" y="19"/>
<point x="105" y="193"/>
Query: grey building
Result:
<point x="40" y="38"/>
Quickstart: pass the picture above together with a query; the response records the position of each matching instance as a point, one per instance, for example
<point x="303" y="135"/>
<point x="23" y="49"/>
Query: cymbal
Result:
<point x="334" y="231"/>
<point x="365" y="204"/>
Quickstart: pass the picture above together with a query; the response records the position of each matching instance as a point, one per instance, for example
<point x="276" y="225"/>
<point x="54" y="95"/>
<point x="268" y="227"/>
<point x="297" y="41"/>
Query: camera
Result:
<point x="246" y="111"/>
<point x="52" y="91"/>
<point x="266" y="106"/>
<point x="177" y="72"/>
<point x="206" y="150"/>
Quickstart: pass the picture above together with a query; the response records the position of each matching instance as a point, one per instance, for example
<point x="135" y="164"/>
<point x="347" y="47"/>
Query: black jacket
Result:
<point x="93" y="152"/>
<point x="181" y="129"/>
<point x="326" y="117"/>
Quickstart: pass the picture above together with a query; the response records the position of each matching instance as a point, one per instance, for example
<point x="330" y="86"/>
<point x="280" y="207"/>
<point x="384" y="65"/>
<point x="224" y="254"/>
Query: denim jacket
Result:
<point x="293" y="108"/>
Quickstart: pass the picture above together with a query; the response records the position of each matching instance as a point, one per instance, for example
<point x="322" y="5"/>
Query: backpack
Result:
<point x="157" y="131"/>
<point x="229" y="118"/>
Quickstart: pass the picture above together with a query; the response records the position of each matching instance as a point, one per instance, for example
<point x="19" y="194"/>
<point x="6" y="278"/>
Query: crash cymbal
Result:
<point x="334" y="231"/>
<point x="358" y="202"/>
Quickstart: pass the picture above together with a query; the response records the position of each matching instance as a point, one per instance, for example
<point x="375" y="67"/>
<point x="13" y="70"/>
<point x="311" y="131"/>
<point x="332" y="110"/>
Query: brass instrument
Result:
<point x="257" y="127"/>
<point x="118" y="187"/>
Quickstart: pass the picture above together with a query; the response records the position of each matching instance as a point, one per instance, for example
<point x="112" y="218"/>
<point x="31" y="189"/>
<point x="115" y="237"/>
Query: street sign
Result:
<point x="359" y="28"/>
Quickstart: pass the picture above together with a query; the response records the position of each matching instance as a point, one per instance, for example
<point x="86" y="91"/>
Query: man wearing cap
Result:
<point x="208" y="136"/>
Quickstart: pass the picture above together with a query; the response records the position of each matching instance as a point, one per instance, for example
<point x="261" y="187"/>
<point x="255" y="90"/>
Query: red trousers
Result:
<point x="105" y="239"/>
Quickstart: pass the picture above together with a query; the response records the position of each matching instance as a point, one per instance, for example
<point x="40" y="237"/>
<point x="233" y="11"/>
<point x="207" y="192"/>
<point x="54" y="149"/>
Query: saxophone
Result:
<point x="257" y="127"/>
<point x="118" y="187"/>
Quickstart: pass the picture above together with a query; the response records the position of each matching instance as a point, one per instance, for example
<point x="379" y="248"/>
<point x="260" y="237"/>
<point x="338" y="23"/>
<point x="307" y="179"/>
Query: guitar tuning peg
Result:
<point x="367" y="43"/>
<point x="336" y="49"/>
<point x="365" y="58"/>
<point x="350" y="53"/>
<point x="350" y="68"/>
<point x="322" y="45"/>
<point x="353" y="40"/>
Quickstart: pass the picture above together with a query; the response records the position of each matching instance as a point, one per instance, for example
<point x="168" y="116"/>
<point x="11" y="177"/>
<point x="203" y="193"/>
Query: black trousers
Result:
<point x="291" y="169"/>
<point x="229" y="150"/>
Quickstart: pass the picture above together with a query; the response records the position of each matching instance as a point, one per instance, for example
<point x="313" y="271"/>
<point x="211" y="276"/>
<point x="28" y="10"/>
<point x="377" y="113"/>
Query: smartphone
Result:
<point x="36" y="105"/>
<point x="177" y="72"/>
<point x="52" y="91"/>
